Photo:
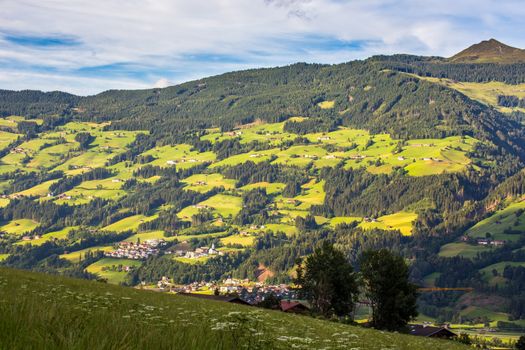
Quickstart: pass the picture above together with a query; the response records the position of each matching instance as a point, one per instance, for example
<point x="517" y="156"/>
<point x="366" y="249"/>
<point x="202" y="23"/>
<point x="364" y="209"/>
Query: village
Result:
<point x="249" y="292"/>
<point x="138" y="250"/>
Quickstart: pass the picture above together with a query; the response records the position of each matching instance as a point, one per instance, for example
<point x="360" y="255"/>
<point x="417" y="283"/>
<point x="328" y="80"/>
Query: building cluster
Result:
<point x="183" y="160"/>
<point x="492" y="242"/>
<point x="484" y="241"/>
<point x="250" y="292"/>
<point x="199" y="252"/>
<point x="137" y="251"/>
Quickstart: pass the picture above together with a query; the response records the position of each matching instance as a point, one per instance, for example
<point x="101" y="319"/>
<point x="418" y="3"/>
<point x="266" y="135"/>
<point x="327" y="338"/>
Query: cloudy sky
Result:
<point x="87" y="46"/>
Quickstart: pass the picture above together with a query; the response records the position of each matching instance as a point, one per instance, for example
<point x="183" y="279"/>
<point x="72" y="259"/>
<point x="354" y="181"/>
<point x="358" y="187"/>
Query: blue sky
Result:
<point x="86" y="47"/>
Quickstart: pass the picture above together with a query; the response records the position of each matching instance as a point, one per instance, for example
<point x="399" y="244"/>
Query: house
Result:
<point x="431" y="332"/>
<point x="400" y="158"/>
<point x="483" y="241"/>
<point x="294" y="306"/>
<point x="497" y="243"/>
<point x="171" y="162"/>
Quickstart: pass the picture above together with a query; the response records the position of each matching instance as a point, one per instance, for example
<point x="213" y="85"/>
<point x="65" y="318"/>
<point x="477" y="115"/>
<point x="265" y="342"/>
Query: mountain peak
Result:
<point x="489" y="51"/>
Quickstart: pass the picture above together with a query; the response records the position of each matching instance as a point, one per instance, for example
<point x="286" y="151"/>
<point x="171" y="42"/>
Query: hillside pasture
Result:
<point x="181" y="156"/>
<point x="130" y="223"/>
<point x="245" y="241"/>
<point x="462" y="249"/>
<point x="206" y="182"/>
<point x="271" y="188"/>
<point x="505" y="224"/>
<point x="50" y="236"/>
<point x="401" y="221"/>
<point x="79" y="255"/>
<point x="19" y="227"/>
<point x="93" y="315"/>
<point x="107" y="268"/>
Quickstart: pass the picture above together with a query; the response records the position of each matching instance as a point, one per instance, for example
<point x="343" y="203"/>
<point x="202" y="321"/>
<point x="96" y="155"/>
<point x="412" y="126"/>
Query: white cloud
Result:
<point x="162" y="83"/>
<point x="143" y="42"/>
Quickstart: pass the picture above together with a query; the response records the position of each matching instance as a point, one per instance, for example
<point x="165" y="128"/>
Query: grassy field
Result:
<point x="131" y="223"/>
<point x="486" y="93"/>
<point x="461" y="249"/>
<point x="78" y="255"/>
<point x="401" y="221"/>
<point x="376" y="153"/>
<point x="206" y="182"/>
<point x="61" y="234"/>
<point x="61" y="313"/>
<point x="181" y="156"/>
<point x="19" y="227"/>
<point x="245" y="241"/>
<point x="501" y="220"/>
<point x="105" y="268"/>
<point x="222" y="204"/>
<point x="270" y="187"/>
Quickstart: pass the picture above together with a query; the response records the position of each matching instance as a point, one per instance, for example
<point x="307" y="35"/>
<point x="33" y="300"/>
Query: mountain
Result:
<point x="489" y="51"/>
<point x="395" y="152"/>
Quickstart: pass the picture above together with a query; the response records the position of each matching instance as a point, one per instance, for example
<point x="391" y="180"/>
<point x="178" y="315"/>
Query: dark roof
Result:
<point x="429" y="331"/>
<point x="224" y="298"/>
<point x="289" y="305"/>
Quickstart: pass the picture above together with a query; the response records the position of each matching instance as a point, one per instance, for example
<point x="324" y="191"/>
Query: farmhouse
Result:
<point x="430" y="331"/>
<point x="295" y="306"/>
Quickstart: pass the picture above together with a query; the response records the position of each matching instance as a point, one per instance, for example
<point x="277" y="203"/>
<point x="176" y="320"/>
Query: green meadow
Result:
<point x="19" y="227"/>
<point x="502" y="223"/>
<point x="63" y="313"/>
<point x="401" y="221"/>
<point x="461" y="249"/>
<point x="108" y="268"/>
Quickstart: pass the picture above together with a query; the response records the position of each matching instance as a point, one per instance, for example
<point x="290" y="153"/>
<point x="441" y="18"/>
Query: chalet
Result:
<point x="323" y="138"/>
<point x="171" y="162"/>
<point x="294" y="306"/>
<point x="483" y="241"/>
<point x="431" y="332"/>
<point x="400" y="158"/>
<point x="330" y="156"/>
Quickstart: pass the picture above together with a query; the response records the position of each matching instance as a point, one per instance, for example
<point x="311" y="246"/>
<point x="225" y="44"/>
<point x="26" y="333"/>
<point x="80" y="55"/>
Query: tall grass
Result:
<point x="50" y="312"/>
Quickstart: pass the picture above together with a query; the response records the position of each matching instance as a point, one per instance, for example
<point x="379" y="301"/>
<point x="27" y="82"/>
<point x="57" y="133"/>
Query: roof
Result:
<point x="224" y="298"/>
<point x="287" y="305"/>
<point x="429" y="331"/>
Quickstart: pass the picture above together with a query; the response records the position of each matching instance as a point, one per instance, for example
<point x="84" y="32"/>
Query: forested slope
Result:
<point x="265" y="164"/>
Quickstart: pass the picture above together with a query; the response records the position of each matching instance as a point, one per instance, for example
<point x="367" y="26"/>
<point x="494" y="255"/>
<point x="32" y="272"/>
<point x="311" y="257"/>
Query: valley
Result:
<point x="244" y="174"/>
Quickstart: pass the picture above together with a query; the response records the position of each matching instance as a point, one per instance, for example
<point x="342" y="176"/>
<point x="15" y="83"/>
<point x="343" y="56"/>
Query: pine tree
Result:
<point x="392" y="296"/>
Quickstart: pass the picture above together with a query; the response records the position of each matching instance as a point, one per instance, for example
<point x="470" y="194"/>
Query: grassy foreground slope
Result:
<point x="50" y="312"/>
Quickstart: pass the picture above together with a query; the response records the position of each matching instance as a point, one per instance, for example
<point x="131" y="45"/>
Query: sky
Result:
<point x="88" y="46"/>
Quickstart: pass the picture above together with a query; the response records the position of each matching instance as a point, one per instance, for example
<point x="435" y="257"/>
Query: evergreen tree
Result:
<point x="392" y="296"/>
<point x="328" y="281"/>
<point x="520" y="344"/>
